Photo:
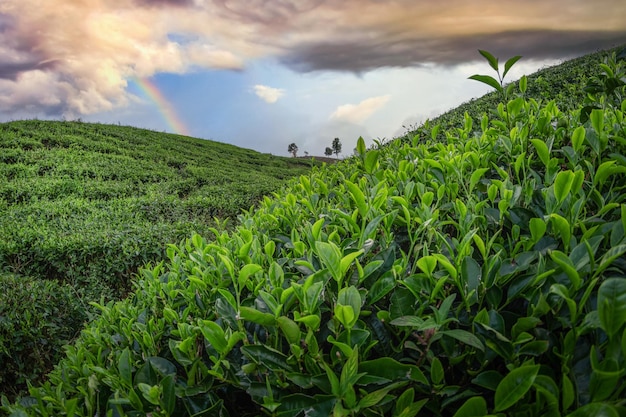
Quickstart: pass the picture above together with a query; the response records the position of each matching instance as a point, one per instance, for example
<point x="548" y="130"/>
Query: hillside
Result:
<point x="83" y="206"/>
<point x="474" y="267"/>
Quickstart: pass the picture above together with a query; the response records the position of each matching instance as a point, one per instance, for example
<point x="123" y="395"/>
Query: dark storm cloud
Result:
<point x="367" y="54"/>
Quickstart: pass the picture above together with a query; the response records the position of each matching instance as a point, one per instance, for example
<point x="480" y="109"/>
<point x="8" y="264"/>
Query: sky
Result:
<point x="262" y="74"/>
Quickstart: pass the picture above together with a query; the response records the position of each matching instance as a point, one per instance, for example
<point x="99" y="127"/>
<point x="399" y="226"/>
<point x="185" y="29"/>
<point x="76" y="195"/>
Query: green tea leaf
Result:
<point x="567" y="266"/>
<point x="578" y="138"/>
<point x="599" y="409"/>
<point x="124" y="367"/>
<point x="487" y="79"/>
<point x="358" y="197"/>
<point x="514" y="386"/>
<point x="605" y="170"/>
<point x="371" y="161"/>
<point x="542" y="151"/>
<point x="509" y="63"/>
<point x="563" y="185"/>
<point x="472" y="407"/>
<point x="476" y="176"/>
<point x="256" y="316"/>
<point x="330" y="255"/>
<point x="290" y="329"/>
<point x="465" y="337"/>
<point x="612" y="305"/>
<point x="493" y="61"/>
<point x="214" y="334"/>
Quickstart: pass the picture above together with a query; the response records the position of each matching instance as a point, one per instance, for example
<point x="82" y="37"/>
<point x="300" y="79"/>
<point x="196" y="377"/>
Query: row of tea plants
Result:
<point x="84" y="206"/>
<point x="478" y="274"/>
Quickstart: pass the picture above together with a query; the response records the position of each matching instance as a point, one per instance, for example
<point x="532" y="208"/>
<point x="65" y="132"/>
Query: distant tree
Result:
<point x="306" y="153"/>
<point x="337" y="147"/>
<point x="328" y="151"/>
<point x="293" y="149"/>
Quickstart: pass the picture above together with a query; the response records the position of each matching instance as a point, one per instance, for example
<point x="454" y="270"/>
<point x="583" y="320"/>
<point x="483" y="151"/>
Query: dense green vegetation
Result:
<point x="472" y="268"/>
<point x="84" y="206"/>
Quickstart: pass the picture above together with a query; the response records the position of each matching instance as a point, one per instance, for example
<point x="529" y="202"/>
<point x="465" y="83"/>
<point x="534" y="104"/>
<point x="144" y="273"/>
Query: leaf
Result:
<point x="162" y="366"/>
<point x="267" y="357"/>
<point x="563" y="185"/>
<point x="168" y="394"/>
<point x="605" y="169"/>
<point x="537" y="228"/>
<point x="514" y="386"/>
<point x="509" y="63"/>
<point x="393" y="370"/>
<point x="542" y="151"/>
<point x="427" y="264"/>
<point x="360" y="146"/>
<point x="436" y="371"/>
<point x="473" y="407"/>
<point x="486" y="79"/>
<point x="125" y="368"/>
<point x="290" y="329"/>
<point x="214" y="334"/>
<point x="347" y="260"/>
<point x="475" y="177"/>
<point x="563" y="227"/>
<point x="493" y="61"/>
<point x="246" y="272"/>
<point x="612" y="305"/>
<point x="578" y="138"/>
<point x="350" y="296"/>
<point x="256" y="316"/>
<point x="330" y="255"/>
<point x="523" y="82"/>
<point x="345" y="314"/>
<point x="465" y="337"/>
<point x="358" y="197"/>
<point x="567" y="266"/>
<point x="377" y="396"/>
<point x="371" y="161"/>
<point x="602" y="409"/>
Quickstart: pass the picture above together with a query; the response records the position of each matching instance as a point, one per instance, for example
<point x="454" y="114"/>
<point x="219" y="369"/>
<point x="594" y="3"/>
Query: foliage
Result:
<point x="37" y="317"/>
<point x="328" y="151"/>
<point x="479" y="274"/>
<point x="564" y="83"/>
<point x="499" y="83"/>
<point x="336" y="146"/>
<point x="293" y="149"/>
<point x="89" y="204"/>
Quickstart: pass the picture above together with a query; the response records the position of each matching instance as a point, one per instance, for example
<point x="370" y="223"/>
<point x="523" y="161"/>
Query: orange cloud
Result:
<point x="86" y="50"/>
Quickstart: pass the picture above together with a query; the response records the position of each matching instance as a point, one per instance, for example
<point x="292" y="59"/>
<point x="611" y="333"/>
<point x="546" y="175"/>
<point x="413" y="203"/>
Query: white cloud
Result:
<point x="357" y="113"/>
<point x="268" y="94"/>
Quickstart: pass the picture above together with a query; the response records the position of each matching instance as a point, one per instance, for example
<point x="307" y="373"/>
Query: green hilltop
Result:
<point x="83" y="206"/>
<point x="474" y="266"/>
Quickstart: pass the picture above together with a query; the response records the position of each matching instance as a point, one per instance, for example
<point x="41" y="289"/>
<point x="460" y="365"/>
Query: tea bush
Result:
<point x="89" y="204"/>
<point x="37" y="317"/>
<point x="468" y="271"/>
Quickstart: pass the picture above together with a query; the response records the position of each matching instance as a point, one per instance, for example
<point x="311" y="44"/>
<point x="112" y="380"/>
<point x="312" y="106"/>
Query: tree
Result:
<point x="337" y="146"/>
<point x="293" y="149"/>
<point x="328" y="151"/>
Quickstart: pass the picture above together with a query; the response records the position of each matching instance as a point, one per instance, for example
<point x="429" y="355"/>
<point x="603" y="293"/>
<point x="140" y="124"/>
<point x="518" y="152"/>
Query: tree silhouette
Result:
<point x="337" y="146"/>
<point x="293" y="149"/>
<point x="328" y="151"/>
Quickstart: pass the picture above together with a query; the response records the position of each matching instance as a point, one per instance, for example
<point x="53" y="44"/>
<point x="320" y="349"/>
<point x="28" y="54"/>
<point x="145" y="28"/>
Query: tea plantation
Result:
<point x="474" y="267"/>
<point x="84" y="206"/>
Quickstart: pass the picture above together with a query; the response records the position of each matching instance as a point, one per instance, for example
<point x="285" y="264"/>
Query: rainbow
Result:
<point x="148" y="88"/>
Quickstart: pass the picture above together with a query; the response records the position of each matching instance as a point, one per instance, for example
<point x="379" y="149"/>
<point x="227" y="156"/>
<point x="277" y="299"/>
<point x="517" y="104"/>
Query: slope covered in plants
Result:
<point x="466" y="271"/>
<point x="84" y="206"/>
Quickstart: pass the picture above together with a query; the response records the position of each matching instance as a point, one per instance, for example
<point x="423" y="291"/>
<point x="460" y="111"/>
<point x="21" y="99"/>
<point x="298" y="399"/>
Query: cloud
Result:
<point x="87" y="50"/>
<point x="357" y="113"/>
<point x="268" y="94"/>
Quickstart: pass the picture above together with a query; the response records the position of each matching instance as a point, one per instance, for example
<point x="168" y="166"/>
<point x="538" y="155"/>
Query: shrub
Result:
<point x="479" y="274"/>
<point x="37" y="317"/>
